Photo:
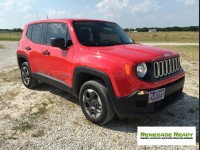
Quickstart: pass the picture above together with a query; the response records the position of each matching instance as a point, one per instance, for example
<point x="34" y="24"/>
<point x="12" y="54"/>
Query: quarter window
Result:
<point x="28" y="34"/>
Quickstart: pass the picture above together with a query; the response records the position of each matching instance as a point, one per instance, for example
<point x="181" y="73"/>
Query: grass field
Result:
<point x="1" y="46"/>
<point x="12" y="36"/>
<point x="188" y="53"/>
<point x="182" y="37"/>
<point x="176" y="37"/>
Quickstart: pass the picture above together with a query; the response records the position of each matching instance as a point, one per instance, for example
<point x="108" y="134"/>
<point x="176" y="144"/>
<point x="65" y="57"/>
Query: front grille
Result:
<point x="166" y="67"/>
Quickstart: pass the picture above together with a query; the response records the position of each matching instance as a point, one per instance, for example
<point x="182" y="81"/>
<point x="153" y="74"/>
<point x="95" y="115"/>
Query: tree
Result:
<point x="17" y="30"/>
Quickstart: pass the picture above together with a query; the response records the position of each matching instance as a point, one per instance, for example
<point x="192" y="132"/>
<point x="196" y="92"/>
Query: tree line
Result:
<point x="175" y="28"/>
<point x="11" y="30"/>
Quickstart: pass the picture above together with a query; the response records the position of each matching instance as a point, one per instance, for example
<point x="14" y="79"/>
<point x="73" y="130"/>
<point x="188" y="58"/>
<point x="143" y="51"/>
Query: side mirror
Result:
<point x="69" y="43"/>
<point x="58" y="42"/>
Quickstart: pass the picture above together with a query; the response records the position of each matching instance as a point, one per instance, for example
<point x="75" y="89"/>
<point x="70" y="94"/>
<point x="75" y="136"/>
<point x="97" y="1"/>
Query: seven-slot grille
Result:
<point x="166" y="67"/>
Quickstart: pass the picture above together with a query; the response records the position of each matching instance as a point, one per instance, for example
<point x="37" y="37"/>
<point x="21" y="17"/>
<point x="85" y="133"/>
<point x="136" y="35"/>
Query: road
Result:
<point x="8" y="54"/>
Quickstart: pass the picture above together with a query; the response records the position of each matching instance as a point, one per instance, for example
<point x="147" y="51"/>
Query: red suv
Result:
<point x="101" y="65"/>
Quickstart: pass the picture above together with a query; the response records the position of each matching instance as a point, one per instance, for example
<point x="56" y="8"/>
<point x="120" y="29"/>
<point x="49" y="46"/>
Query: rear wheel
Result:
<point x="95" y="102"/>
<point x="26" y="75"/>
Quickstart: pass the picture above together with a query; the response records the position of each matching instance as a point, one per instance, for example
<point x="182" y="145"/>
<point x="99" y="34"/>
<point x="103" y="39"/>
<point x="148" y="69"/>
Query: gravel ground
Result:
<point x="8" y="55"/>
<point x="48" y="118"/>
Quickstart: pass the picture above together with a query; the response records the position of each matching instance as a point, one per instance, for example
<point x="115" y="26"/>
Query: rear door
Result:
<point x="35" y="46"/>
<point x="57" y="62"/>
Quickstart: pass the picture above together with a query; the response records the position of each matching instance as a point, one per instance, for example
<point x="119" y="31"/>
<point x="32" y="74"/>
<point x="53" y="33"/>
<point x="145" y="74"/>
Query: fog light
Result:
<point x="142" y="93"/>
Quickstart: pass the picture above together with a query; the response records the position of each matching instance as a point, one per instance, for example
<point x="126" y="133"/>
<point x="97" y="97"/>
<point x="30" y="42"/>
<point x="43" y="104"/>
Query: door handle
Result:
<point x="28" y="48"/>
<point x="46" y="52"/>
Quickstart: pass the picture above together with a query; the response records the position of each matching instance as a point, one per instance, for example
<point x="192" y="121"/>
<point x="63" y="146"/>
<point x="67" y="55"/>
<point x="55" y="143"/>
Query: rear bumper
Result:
<point x="137" y="105"/>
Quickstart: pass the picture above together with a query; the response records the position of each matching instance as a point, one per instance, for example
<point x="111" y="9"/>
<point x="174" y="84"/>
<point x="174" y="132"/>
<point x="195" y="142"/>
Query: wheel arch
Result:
<point x="21" y="59"/>
<point x="82" y="74"/>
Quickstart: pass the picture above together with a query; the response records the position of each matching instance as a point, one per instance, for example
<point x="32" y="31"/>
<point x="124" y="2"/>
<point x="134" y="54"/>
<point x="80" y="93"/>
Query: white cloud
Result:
<point x="6" y="5"/>
<point x="114" y="4"/>
<point x="146" y="6"/>
<point x="13" y="6"/>
<point x="188" y="2"/>
<point x="23" y="6"/>
<point x="11" y="10"/>
<point x="111" y="10"/>
<point x="56" y="13"/>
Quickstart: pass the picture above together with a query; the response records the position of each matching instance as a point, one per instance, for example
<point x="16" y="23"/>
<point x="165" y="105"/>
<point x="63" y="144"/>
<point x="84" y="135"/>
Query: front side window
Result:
<point x="94" y="33"/>
<point x="56" y="30"/>
<point x="38" y="33"/>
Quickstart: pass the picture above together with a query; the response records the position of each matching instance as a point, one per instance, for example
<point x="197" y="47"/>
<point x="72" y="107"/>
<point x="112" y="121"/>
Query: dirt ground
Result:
<point x="48" y="118"/>
<point x="8" y="55"/>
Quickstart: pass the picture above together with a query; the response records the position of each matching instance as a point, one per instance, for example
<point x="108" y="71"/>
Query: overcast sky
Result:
<point x="127" y="13"/>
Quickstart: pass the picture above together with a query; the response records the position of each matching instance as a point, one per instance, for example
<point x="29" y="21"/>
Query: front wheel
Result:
<point x="95" y="102"/>
<point x="26" y="75"/>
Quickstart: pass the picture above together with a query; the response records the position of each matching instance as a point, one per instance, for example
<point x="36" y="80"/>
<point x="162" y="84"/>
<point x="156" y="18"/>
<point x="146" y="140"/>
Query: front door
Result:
<point x="57" y="62"/>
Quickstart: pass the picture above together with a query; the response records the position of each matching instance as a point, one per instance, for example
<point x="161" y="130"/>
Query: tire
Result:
<point x="27" y="78"/>
<point x="95" y="102"/>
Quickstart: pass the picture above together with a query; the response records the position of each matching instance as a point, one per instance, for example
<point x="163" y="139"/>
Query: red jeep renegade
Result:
<point x="101" y="65"/>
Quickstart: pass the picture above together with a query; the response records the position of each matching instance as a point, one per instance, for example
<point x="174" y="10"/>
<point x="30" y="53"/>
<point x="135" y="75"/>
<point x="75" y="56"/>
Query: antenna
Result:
<point x="37" y="15"/>
<point x="47" y="17"/>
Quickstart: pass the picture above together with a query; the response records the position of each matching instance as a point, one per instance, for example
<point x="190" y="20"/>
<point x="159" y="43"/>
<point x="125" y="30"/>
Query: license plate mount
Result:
<point x="156" y="95"/>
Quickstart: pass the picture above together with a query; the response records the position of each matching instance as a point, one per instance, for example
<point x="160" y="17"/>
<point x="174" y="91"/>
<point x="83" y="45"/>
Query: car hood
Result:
<point x="135" y="52"/>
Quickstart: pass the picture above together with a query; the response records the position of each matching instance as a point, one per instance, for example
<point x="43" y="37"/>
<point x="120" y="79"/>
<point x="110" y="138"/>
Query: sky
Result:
<point x="127" y="13"/>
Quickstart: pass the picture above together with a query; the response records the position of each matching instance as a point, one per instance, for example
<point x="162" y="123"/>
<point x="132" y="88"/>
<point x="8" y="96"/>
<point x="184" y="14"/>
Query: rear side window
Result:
<point x="29" y="32"/>
<point x="38" y="33"/>
<point x="56" y="30"/>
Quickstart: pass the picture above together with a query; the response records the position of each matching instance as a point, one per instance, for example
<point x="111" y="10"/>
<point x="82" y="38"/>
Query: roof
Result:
<point x="66" y="20"/>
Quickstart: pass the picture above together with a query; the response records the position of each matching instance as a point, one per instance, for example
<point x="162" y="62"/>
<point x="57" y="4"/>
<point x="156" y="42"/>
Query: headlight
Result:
<point x="141" y="70"/>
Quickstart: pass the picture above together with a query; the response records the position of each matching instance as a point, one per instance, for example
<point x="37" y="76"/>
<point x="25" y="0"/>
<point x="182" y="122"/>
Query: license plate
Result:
<point x="156" y="95"/>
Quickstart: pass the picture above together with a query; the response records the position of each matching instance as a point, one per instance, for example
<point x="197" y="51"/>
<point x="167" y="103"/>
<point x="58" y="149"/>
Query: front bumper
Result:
<point x="137" y="105"/>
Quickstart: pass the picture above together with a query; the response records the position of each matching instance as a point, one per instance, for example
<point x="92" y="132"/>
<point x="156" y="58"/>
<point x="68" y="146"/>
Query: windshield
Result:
<point x="95" y="33"/>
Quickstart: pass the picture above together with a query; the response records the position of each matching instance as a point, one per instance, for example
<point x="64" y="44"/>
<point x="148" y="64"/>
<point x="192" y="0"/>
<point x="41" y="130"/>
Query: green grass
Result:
<point x="39" y="133"/>
<point x="2" y="46"/>
<point x="177" y="37"/>
<point x="12" y="138"/>
<point x="23" y="126"/>
<point x="12" y="36"/>
<point x="40" y="111"/>
<point x="181" y="37"/>
<point x="188" y="53"/>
